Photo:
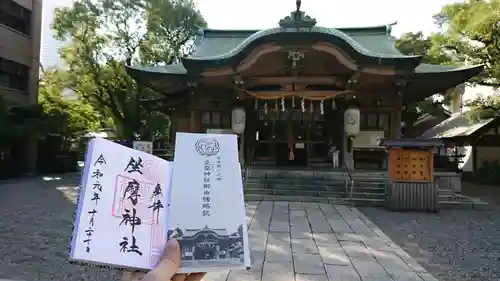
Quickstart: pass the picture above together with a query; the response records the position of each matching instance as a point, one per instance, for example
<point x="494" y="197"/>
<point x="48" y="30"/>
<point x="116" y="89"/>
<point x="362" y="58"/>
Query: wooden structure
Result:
<point x="411" y="183"/>
<point x="459" y="132"/>
<point x="295" y="82"/>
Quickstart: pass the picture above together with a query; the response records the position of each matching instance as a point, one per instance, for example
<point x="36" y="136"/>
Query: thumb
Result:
<point x="169" y="263"/>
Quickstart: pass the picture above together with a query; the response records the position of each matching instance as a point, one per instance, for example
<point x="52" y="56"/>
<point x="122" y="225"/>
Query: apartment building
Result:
<point x="20" y="33"/>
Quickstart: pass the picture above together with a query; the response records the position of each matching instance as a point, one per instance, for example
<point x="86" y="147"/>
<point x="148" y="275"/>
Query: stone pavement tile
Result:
<point x="304" y="246"/>
<point x="325" y="239"/>
<point x="310" y="205"/>
<point x="300" y="222"/>
<point x="216" y="276"/>
<point x="257" y="258"/>
<point x="346" y="212"/>
<point x="297" y="214"/>
<point x="350" y="236"/>
<point x="413" y="264"/>
<point x="311" y="277"/>
<point x="359" y="227"/>
<point x="342" y="273"/>
<point x="391" y="262"/>
<point x="355" y="249"/>
<point x="278" y="238"/>
<point x="281" y="204"/>
<point x="405" y="276"/>
<point x="334" y="255"/>
<point x="427" y="276"/>
<point x="257" y="242"/>
<point x="279" y="226"/>
<point x="278" y="253"/>
<point x="328" y="209"/>
<point x="301" y="232"/>
<point x="243" y="275"/>
<point x="308" y="264"/>
<point x="318" y="222"/>
<point x="370" y="269"/>
<point x="339" y="225"/>
<point x="278" y="272"/>
<point x="296" y="206"/>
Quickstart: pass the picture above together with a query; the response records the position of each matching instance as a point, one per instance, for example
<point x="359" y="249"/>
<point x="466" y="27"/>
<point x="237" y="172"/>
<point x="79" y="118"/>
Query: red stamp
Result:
<point x="121" y="200"/>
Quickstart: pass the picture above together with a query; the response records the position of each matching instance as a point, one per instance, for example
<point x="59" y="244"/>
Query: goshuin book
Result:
<point x="131" y="202"/>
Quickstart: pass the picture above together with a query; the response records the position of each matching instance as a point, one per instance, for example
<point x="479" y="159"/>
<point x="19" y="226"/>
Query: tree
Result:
<point x="108" y="35"/>
<point x="68" y="119"/>
<point x="433" y="51"/>
<point x="473" y="32"/>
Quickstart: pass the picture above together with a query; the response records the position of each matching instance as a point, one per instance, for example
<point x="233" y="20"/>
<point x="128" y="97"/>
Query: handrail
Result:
<point x="350" y="180"/>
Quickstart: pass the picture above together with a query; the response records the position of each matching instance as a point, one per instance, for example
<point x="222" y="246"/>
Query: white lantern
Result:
<point x="351" y="121"/>
<point x="238" y="117"/>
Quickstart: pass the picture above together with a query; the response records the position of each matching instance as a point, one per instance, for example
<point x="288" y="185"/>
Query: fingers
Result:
<point x="195" y="276"/>
<point x="168" y="265"/>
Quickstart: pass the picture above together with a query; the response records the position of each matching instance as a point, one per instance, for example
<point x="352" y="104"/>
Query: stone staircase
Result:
<point x="329" y="186"/>
<point x="315" y="186"/>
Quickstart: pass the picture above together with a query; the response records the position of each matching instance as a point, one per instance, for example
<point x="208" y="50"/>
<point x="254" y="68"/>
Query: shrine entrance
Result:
<point x="294" y="136"/>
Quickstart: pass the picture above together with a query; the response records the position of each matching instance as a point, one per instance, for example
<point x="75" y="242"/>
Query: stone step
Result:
<point x="332" y="187"/>
<point x="312" y="181"/>
<point x="328" y="200"/>
<point x="313" y="193"/>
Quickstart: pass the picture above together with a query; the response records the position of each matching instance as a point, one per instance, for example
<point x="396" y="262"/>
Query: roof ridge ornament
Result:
<point x="297" y="19"/>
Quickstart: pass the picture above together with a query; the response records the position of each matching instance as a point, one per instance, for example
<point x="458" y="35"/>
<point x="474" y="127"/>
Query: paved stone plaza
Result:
<point x="289" y="240"/>
<point x="309" y="242"/>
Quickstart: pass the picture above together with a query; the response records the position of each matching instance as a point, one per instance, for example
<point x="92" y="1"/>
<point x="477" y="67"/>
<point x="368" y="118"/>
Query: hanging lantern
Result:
<point x="334" y="105"/>
<point x="283" y="104"/>
<point x="293" y="101"/>
<point x="256" y="104"/>
<point x="265" y="107"/>
<point x="351" y="121"/>
<point x="303" y="105"/>
<point x="238" y="118"/>
<point x="311" y="106"/>
<point x="321" y="108"/>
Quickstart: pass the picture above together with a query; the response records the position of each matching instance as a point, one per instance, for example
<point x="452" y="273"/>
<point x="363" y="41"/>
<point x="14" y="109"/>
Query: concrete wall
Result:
<point x="24" y="49"/>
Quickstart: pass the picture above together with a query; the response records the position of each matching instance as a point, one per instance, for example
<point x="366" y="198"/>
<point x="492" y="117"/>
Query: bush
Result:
<point x="489" y="173"/>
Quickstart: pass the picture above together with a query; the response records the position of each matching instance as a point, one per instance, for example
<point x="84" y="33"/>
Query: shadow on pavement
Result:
<point x="36" y="223"/>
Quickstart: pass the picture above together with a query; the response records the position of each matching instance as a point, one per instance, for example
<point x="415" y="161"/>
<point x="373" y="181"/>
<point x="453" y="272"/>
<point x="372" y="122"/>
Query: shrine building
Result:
<point x="294" y="91"/>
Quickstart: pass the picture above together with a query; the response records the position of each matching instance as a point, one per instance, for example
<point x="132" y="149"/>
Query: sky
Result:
<point x="261" y="14"/>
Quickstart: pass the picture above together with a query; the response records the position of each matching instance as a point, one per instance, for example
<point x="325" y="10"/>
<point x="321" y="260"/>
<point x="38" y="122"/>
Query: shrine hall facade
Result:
<point x="294" y="84"/>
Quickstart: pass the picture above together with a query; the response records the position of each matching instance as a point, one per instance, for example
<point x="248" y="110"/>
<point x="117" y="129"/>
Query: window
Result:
<point x="214" y="120"/>
<point x="375" y="121"/>
<point x="13" y="75"/>
<point x="15" y="16"/>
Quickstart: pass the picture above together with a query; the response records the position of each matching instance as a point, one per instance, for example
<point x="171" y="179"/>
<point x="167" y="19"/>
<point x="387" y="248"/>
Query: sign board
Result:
<point x="144" y="146"/>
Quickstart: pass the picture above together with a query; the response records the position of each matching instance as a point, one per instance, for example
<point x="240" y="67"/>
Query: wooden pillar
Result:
<point x="396" y="120"/>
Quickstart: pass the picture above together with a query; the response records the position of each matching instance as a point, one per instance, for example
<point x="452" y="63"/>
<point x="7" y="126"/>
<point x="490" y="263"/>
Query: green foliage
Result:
<point x="68" y="118"/>
<point x="432" y="48"/>
<point x="473" y="32"/>
<point x="108" y="35"/>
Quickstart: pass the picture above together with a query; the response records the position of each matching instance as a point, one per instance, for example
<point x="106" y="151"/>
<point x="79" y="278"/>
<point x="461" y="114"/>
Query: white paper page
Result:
<point x="103" y="233"/>
<point x="207" y="212"/>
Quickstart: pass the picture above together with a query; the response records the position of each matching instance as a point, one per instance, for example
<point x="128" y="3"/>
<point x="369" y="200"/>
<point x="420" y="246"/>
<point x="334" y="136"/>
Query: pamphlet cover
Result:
<point x="131" y="202"/>
<point x="207" y="211"/>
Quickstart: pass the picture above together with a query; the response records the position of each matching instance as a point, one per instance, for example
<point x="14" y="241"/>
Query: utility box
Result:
<point x="411" y="184"/>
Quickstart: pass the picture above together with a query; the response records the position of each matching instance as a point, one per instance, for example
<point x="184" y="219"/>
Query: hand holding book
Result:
<point x="167" y="268"/>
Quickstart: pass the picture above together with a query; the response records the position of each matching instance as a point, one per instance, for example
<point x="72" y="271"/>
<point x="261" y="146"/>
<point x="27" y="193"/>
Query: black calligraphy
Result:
<point x="207" y="186"/>
<point x="157" y="204"/>
<point x="218" y="168"/>
<point x="96" y="189"/>
<point x="130" y="217"/>
<point x="134" y="165"/>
